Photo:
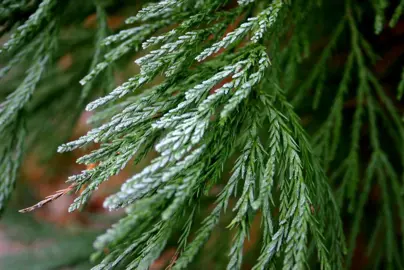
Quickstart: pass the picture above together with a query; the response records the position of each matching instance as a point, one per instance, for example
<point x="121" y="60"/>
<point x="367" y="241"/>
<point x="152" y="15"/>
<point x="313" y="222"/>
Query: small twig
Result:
<point x="49" y="199"/>
<point x="173" y="261"/>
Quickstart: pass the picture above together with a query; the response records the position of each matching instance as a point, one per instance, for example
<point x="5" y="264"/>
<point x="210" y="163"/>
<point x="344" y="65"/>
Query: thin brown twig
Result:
<point x="49" y="199"/>
<point x="173" y="261"/>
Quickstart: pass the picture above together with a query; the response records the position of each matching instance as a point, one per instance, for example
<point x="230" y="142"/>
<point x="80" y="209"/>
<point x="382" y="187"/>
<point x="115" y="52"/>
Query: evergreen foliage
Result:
<point x="219" y="93"/>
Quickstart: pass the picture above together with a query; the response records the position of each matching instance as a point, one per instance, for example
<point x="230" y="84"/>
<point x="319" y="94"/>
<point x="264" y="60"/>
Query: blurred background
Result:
<point x="52" y="238"/>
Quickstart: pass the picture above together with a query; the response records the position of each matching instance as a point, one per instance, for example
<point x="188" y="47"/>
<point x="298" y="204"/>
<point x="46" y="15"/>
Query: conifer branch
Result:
<point x="218" y="80"/>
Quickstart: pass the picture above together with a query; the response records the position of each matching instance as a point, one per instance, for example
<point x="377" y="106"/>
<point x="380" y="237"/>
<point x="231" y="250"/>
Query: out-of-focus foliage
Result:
<point x="219" y="97"/>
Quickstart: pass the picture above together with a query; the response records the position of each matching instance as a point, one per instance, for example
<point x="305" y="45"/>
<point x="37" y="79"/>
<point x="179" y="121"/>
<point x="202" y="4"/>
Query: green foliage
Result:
<point x="11" y="152"/>
<point x="401" y="87"/>
<point x="206" y="94"/>
<point x="47" y="245"/>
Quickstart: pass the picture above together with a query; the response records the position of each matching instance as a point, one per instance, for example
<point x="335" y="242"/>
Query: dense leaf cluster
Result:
<point x="218" y="81"/>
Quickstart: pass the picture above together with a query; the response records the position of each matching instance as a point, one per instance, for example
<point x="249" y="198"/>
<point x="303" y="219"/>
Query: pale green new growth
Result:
<point x="215" y="88"/>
